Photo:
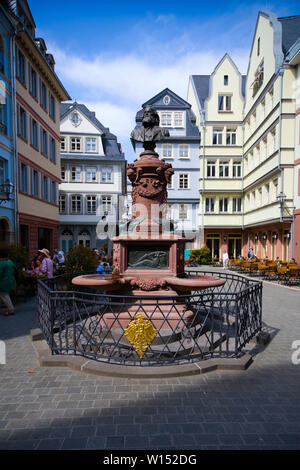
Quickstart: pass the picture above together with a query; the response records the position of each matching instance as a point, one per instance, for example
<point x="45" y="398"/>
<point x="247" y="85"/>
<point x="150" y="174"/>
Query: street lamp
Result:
<point x="281" y="198"/>
<point x="6" y="191"/>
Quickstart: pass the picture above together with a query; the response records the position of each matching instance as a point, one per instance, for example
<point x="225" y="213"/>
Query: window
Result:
<point x="258" y="78"/>
<point x="62" y="204"/>
<point x="166" y="119"/>
<point x="75" y="144"/>
<point x="275" y="184"/>
<point x="91" y="144"/>
<point x="183" y="212"/>
<point x="33" y="82"/>
<point x="169" y="212"/>
<point x="44" y="142"/>
<point x="106" y="204"/>
<point x="258" y="46"/>
<point x="223" y="204"/>
<point x="22" y="122"/>
<point x="76" y="204"/>
<point x="21" y="67"/>
<point x="52" y="106"/>
<point x="52" y="144"/>
<point x="263" y="109"/>
<point x="231" y="137"/>
<point x="91" y="174"/>
<point x="184" y="151"/>
<point x="1" y="55"/>
<point x="170" y="183"/>
<point x="225" y="80"/>
<point x="183" y="179"/>
<point x="257" y="148"/>
<point x="267" y="193"/>
<point x="178" y="119"/>
<point x="237" y="204"/>
<point x="106" y="175"/>
<point x="53" y="192"/>
<point x="76" y="173"/>
<point x="273" y="139"/>
<point x="259" y="196"/>
<point x="75" y="119"/>
<point x="43" y="95"/>
<point x="24" y="178"/>
<point x="265" y="148"/>
<point x="166" y="100"/>
<point x="211" y="169"/>
<point x="224" y="103"/>
<point x="237" y="169"/>
<point x="63" y="173"/>
<point x="35" y="183"/>
<point x="167" y="150"/>
<point x="45" y="188"/>
<point x="2" y="171"/>
<point x="271" y="96"/>
<point x="210" y="204"/>
<point x="3" y="111"/>
<point x="253" y="199"/>
<point x="224" y="169"/>
<point x="91" y="202"/>
<point x="34" y="133"/>
<point x="63" y="144"/>
<point x="217" y="136"/>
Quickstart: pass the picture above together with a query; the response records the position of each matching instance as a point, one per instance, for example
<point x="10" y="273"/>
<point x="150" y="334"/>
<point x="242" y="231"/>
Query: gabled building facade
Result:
<point x="37" y="93"/>
<point x="261" y="108"/>
<point x="93" y="170"/>
<point x="181" y="149"/>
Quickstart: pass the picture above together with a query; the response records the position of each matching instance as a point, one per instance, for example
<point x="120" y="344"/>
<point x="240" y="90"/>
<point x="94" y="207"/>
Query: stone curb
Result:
<point x="82" y="364"/>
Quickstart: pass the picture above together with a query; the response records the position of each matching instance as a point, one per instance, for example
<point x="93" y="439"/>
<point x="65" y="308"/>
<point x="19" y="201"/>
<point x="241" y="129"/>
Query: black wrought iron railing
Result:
<point x="215" y="322"/>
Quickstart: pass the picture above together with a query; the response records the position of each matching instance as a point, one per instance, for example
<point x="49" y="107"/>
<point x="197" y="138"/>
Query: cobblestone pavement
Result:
<point x="59" y="408"/>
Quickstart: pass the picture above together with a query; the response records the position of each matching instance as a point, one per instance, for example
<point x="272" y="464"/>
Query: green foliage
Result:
<point x="202" y="255"/>
<point x="18" y="254"/>
<point x="81" y="259"/>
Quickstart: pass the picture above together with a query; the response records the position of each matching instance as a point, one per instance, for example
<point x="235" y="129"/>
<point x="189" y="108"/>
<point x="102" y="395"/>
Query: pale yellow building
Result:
<point x="247" y="128"/>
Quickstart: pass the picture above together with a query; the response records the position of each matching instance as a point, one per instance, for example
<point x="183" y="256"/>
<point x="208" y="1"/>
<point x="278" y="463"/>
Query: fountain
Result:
<point x="148" y="257"/>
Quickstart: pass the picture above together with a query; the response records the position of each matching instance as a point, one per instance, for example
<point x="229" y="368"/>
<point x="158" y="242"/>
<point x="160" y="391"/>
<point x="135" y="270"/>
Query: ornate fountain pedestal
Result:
<point x="148" y="258"/>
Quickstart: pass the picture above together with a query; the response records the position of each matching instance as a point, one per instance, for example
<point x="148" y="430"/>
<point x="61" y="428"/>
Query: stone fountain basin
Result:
<point x="184" y="284"/>
<point x="191" y="283"/>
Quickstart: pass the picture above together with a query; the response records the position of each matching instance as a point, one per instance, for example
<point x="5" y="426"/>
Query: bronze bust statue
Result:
<point x="150" y="132"/>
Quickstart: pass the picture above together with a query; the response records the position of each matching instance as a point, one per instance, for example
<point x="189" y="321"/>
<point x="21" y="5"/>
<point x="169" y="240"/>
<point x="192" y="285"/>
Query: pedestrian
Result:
<point x="7" y="280"/>
<point x="47" y="263"/>
<point x="59" y="257"/>
<point x="250" y="253"/>
<point x="225" y="259"/>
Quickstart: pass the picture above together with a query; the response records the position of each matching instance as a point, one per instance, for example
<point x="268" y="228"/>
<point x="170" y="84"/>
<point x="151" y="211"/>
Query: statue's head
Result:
<point x="150" y="117"/>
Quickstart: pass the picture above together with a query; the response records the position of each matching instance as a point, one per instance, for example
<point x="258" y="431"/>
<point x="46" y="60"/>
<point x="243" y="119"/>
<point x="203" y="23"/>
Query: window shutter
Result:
<point x="18" y="119"/>
<point x="32" y="183"/>
<point x="31" y="131"/>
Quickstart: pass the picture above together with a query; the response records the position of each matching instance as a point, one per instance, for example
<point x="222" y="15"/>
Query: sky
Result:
<point x="113" y="56"/>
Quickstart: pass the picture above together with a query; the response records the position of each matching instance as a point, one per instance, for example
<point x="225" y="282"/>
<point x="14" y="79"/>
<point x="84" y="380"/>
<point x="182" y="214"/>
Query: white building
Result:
<point x="92" y="179"/>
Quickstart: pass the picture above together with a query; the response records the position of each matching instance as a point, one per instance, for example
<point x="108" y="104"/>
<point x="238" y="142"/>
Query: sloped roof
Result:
<point x="112" y="148"/>
<point x="201" y="83"/>
<point x="290" y="31"/>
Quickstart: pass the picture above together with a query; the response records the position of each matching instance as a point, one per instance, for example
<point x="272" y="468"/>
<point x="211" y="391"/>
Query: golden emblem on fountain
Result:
<point x="140" y="334"/>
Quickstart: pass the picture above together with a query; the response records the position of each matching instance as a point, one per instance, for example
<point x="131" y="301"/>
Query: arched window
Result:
<point x="66" y="240"/>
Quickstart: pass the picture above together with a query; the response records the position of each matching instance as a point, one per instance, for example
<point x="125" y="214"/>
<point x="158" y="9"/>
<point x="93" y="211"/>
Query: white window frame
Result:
<point x="167" y="151"/>
<point x="77" y="199"/>
<point x="210" y="205"/>
<point x="106" y="204"/>
<point x="78" y="144"/>
<point x="217" y="136"/>
<point x="184" y="148"/>
<point x="106" y="170"/>
<point x="231" y="136"/>
<point x="237" y="169"/>
<point x="183" y="181"/>
<point x="224" y="167"/>
<point x="94" y="145"/>
<point x="211" y="169"/>
<point x="91" y="201"/>
<point x="77" y="169"/>
<point x="92" y="173"/>
<point x="63" y="144"/>
<point x="224" y="103"/>
<point x="183" y="211"/>
<point x="223" y="205"/>
<point x="62" y="203"/>
<point x="236" y="202"/>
